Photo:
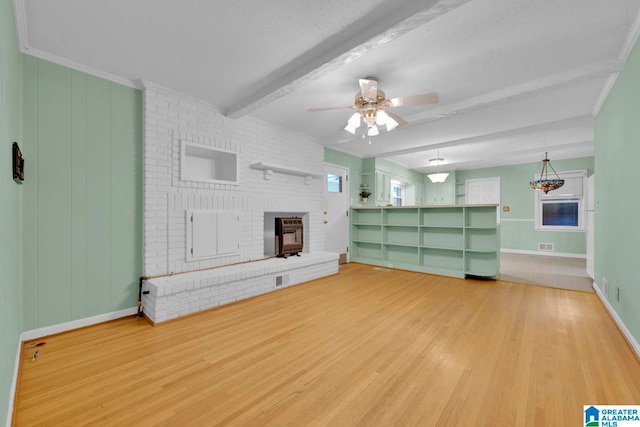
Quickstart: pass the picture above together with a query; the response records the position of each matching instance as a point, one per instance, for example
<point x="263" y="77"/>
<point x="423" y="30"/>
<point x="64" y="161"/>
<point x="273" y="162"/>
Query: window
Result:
<point x="562" y="209"/>
<point x="334" y="183"/>
<point x="397" y="193"/>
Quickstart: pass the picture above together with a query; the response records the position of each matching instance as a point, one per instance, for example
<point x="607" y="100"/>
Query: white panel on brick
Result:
<point x="211" y="234"/>
<point x="227" y="233"/>
<point x="204" y="234"/>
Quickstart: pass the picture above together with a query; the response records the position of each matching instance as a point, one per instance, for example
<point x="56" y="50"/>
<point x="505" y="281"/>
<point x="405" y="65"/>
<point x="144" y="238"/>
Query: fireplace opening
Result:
<point x="288" y="238"/>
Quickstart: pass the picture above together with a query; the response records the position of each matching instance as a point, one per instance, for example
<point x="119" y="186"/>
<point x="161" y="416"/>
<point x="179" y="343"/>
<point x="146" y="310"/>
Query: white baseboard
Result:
<point x="75" y="324"/>
<point x="14" y="384"/>
<point x="56" y="329"/>
<point x="543" y="253"/>
<point x="623" y="328"/>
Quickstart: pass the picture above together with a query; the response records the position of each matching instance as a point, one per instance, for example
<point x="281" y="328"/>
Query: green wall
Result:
<point x="83" y="196"/>
<point x="517" y="227"/>
<point x="10" y="203"/>
<point x="617" y="235"/>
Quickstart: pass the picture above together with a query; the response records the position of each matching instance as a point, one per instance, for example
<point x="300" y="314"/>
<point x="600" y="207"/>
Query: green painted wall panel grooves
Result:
<point x="83" y="231"/>
<point x="78" y="159"/>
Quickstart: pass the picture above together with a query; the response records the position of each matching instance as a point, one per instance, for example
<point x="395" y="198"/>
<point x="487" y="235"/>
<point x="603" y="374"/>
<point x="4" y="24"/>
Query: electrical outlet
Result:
<point x="617" y="294"/>
<point x="605" y="286"/>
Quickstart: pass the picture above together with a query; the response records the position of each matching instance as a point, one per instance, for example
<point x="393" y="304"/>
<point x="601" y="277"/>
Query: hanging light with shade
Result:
<point x="437" y="177"/>
<point x="544" y="183"/>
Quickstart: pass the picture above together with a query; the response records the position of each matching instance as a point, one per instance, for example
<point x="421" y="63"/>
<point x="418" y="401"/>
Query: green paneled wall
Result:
<point x="82" y="202"/>
<point x="10" y="203"/>
<point x="617" y="236"/>
<point x="517" y="228"/>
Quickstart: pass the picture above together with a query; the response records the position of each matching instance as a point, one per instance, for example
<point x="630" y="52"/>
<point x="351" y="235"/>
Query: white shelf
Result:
<point x="269" y="169"/>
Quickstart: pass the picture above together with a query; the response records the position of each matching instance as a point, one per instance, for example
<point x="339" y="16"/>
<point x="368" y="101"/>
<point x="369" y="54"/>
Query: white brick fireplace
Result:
<point x="172" y="120"/>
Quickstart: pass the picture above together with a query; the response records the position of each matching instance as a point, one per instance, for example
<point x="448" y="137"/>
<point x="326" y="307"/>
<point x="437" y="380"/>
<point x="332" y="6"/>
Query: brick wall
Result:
<point x="170" y="117"/>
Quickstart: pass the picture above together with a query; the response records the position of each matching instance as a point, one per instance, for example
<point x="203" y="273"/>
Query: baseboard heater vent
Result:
<point x="545" y="247"/>
<point x="282" y="280"/>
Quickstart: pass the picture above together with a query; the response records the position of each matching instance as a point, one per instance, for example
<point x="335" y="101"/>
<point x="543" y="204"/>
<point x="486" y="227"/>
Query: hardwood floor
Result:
<point x="369" y="347"/>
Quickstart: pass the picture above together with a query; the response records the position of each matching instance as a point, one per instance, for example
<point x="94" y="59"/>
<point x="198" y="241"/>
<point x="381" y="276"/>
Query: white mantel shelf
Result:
<point x="269" y="169"/>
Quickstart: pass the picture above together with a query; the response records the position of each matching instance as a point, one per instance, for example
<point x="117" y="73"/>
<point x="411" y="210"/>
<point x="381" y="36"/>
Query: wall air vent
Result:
<point x="282" y="280"/>
<point x="545" y="247"/>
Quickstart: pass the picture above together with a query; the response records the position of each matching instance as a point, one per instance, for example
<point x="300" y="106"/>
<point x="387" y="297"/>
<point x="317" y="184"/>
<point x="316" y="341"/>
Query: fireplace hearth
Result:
<point x="288" y="236"/>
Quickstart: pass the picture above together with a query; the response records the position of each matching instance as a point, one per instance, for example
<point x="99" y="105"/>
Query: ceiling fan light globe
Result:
<point x="391" y="124"/>
<point x="382" y="118"/>
<point x="373" y="131"/>
<point x="351" y="129"/>
<point x="354" y="121"/>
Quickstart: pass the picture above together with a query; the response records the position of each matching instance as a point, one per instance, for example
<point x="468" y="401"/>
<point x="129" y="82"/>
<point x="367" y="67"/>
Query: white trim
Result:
<point x="83" y="68"/>
<point x="75" y="324"/>
<point x="623" y="54"/>
<point x="558" y="254"/>
<point x="630" y="41"/>
<point x="21" y="24"/>
<point x="14" y="384"/>
<point x="635" y="346"/>
<point x="517" y="220"/>
<point x="56" y="329"/>
<point x="604" y="93"/>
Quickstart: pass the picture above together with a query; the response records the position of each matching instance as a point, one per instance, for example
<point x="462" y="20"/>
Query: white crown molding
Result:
<point x="21" y="23"/>
<point x="630" y="41"/>
<point x="633" y="343"/>
<point x="23" y="42"/>
<point x="79" y="67"/>
<point x="625" y="50"/>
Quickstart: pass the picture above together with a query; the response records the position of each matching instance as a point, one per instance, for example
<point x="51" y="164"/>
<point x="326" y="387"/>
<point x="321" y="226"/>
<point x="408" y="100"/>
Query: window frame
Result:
<point x="554" y="198"/>
<point x="403" y="192"/>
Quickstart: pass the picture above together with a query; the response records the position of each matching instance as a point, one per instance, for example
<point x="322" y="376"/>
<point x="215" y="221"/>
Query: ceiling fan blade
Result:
<point x="425" y="99"/>
<point x="397" y="118"/>
<point x="313" y="110"/>
<point x="368" y="89"/>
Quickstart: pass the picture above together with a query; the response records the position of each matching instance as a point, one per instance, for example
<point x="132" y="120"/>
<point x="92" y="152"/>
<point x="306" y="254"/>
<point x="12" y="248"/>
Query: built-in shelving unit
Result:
<point x="459" y="241"/>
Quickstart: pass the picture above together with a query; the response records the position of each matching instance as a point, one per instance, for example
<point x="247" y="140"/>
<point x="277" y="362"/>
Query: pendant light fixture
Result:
<point x="437" y="177"/>
<point x="544" y="183"/>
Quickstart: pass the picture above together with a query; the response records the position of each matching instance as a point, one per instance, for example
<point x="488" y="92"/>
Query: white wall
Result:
<point x="168" y="118"/>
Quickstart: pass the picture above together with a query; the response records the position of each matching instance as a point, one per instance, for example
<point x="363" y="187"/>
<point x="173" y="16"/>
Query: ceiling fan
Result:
<point x="371" y="108"/>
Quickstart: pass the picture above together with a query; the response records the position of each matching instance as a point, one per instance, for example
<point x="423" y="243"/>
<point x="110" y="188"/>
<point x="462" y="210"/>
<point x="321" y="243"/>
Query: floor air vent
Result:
<point x="545" y="247"/>
<point x="282" y="280"/>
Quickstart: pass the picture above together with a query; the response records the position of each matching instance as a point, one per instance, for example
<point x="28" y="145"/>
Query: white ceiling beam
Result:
<point x="603" y="68"/>
<point x="382" y="25"/>
<point x="515" y="156"/>
<point x="532" y="87"/>
<point x="511" y="133"/>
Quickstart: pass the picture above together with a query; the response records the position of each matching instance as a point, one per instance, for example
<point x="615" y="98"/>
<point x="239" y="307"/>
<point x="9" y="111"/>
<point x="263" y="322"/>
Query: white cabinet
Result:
<point x="211" y="234"/>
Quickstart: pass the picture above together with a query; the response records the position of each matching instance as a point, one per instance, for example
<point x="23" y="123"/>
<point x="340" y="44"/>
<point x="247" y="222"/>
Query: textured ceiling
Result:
<point x="516" y="78"/>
